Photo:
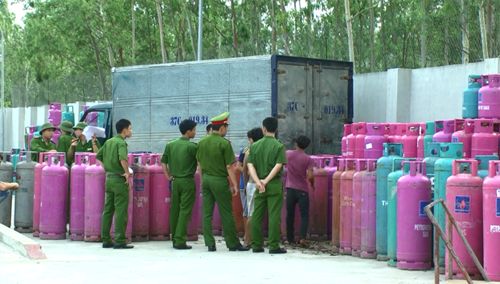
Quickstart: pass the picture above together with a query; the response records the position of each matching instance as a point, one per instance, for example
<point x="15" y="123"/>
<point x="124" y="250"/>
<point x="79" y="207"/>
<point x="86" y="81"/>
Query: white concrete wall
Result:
<point x="370" y="97"/>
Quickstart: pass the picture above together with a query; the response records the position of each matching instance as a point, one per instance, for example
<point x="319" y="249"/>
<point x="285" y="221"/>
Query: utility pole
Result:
<point x="2" y="123"/>
<point x="200" y="29"/>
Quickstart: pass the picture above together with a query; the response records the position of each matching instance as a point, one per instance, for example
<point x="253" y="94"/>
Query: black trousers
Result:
<point x="294" y="196"/>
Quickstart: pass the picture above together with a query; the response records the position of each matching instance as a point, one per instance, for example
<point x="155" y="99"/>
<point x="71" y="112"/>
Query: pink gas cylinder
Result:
<point x="357" y="184"/>
<point x="195" y="225"/>
<point x="444" y="130"/>
<point x="140" y="221"/>
<point x="387" y="130"/>
<point x="464" y="129"/>
<point x="318" y="202"/>
<point x="159" y="209"/>
<point x="54" y="198"/>
<point x="392" y="132"/>
<point x="414" y="237"/>
<point x="95" y="192"/>
<point x="369" y="210"/>
<point x="336" y="205"/>
<point x="55" y="114"/>
<point x="37" y="192"/>
<point x="374" y="140"/>
<point x="351" y="141"/>
<point x="420" y="141"/>
<point x="464" y="196"/>
<point x="409" y="140"/>
<point x="347" y="132"/>
<point x="331" y="168"/>
<point x="488" y="97"/>
<point x="491" y="221"/>
<point x="484" y="141"/>
<point x="360" y="140"/>
<point x="400" y="132"/>
<point x="77" y="197"/>
<point x="346" y="184"/>
<point x="32" y="131"/>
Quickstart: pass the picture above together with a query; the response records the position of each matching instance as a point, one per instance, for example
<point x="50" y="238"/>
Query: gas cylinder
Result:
<point x="331" y="168"/>
<point x="336" y="205"/>
<point x="346" y="184"/>
<point x="374" y="140"/>
<point x="409" y="140"/>
<point x="488" y="97"/>
<point x="95" y="189"/>
<point x="160" y="196"/>
<point x="384" y="168"/>
<point x="483" y="164"/>
<point x="387" y="131"/>
<point x="444" y="135"/>
<point x="357" y="191"/>
<point x="6" y="172"/>
<point x="464" y="196"/>
<point x="491" y="221"/>
<point x="392" y="132"/>
<point x="432" y="156"/>
<point x="414" y="245"/>
<point x="140" y="221"/>
<point x="360" y="140"/>
<point x="350" y="142"/>
<point x="26" y="135"/>
<point x="463" y="133"/>
<point x="368" y="211"/>
<point x="442" y="171"/>
<point x="429" y="132"/>
<point x="236" y="203"/>
<point x="37" y="192"/>
<point x="32" y="131"/>
<point x="469" y="101"/>
<point x="54" y="198"/>
<point x="400" y="132"/>
<point x="347" y="132"/>
<point x="69" y="114"/>
<point x="83" y="111"/>
<point x="77" y="196"/>
<point x="23" y="217"/>
<point x="55" y="114"/>
<point x="398" y="169"/>
<point x="484" y="140"/>
<point x="318" y="204"/>
<point x="196" y="216"/>
<point x="420" y="141"/>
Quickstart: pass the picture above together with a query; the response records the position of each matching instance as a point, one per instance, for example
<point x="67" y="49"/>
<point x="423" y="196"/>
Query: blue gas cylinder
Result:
<point x="68" y="115"/>
<point x="469" y="105"/>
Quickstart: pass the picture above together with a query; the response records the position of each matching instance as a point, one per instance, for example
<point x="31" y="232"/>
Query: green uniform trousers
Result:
<point x="216" y="189"/>
<point x="181" y="208"/>
<point x="272" y="200"/>
<point x="117" y="199"/>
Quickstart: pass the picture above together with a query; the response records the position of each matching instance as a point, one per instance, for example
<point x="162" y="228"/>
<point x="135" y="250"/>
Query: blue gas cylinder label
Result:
<point x="421" y="212"/>
<point x="139" y="184"/>
<point x="454" y="139"/>
<point x="498" y="207"/>
<point x="479" y="97"/>
<point x="462" y="204"/>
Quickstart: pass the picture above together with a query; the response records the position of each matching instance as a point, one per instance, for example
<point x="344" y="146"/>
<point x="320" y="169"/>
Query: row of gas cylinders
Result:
<point x="365" y="140"/>
<point x="481" y="98"/>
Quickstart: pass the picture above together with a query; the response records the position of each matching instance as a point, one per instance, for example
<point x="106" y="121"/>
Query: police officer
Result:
<point x="113" y="156"/>
<point x="65" y="140"/>
<point x="81" y="144"/>
<point x="43" y="143"/>
<point x="216" y="157"/>
<point x="180" y="157"/>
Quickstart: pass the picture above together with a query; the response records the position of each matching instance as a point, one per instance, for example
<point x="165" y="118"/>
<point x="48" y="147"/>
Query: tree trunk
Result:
<point x="98" y="64"/>
<point x="149" y="32"/>
<point x="162" y="35"/>
<point x="423" y="57"/>
<point x="372" y="36"/>
<point x="191" y="34"/>
<point x="350" y="41"/>
<point x="233" y="24"/>
<point x="489" y="25"/>
<point x="176" y="31"/>
<point x="465" y="34"/>
<point x="111" y="54"/>
<point x="482" y="25"/>
<point x="273" y="19"/>
<point x="446" y="45"/>
<point x="286" y="42"/>
<point x="133" y="31"/>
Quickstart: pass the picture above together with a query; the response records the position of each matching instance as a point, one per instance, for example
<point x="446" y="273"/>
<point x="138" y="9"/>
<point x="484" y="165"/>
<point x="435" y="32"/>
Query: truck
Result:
<point x="313" y="97"/>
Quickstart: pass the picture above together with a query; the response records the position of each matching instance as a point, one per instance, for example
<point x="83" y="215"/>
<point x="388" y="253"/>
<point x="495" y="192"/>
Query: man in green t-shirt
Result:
<point x="64" y="141"/>
<point x="82" y="144"/>
<point x="180" y="158"/>
<point x="265" y="165"/>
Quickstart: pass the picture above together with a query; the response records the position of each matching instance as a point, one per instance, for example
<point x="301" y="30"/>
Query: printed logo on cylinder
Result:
<point x="498" y="208"/>
<point x="454" y="140"/>
<point x="139" y="184"/>
<point x="421" y="212"/>
<point x="480" y="97"/>
<point x="462" y="204"/>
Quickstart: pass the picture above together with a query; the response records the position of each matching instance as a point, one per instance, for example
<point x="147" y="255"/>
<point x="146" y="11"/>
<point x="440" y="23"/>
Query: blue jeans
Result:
<point x="4" y="195"/>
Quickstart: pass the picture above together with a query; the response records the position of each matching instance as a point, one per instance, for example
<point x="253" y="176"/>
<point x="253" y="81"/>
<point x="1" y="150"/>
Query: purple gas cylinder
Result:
<point x="37" y="192"/>
<point x="491" y="221"/>
<point x="488" y="97"/>
<point x="400" y="132"/>
<point x="351" y="141"/>
<point x="357" y="184"/>
<point x="347" y="132"/>
<point x="346" y="184"/>
<point x="33" y="129"/>
<point x="464" y="196"/>
<point x="360" y="140"/>
<point x="160" y="194"/>
<point x="55" y="114"/>
<point x="140" y="220"/>
<point x="336" y="205"/>
<point x="464" y="129"/>
<point x="374" y="140"/>
<point x="318" y="204"/>
<point x="95" y="192"/>
<point x="420" y="141"/>
<point x="414" y="243"/>
<point x="444" y="130"/>
<point x="484" y="140"/>
<point x="54" y="198"/>
<point x="392" y="132"/>
<point x="369" y="210"/>
<point x="331" y="168"/>
<point x="77" y="197"/>
<point x="409" y="140"/>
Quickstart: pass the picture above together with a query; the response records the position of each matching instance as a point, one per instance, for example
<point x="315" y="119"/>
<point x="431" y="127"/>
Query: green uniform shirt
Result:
<point x="86" y="147"/>
<point x="113" y="151"/>
<point x="214" y="154"/>
<point x="265" y="154"/>
<point x="180" y="155"/>
<point x="63" y="145"/>
<point x="38" y="145"/>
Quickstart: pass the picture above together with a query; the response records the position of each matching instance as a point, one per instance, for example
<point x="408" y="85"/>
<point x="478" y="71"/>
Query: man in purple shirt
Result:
<point x="299" y="170"/>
